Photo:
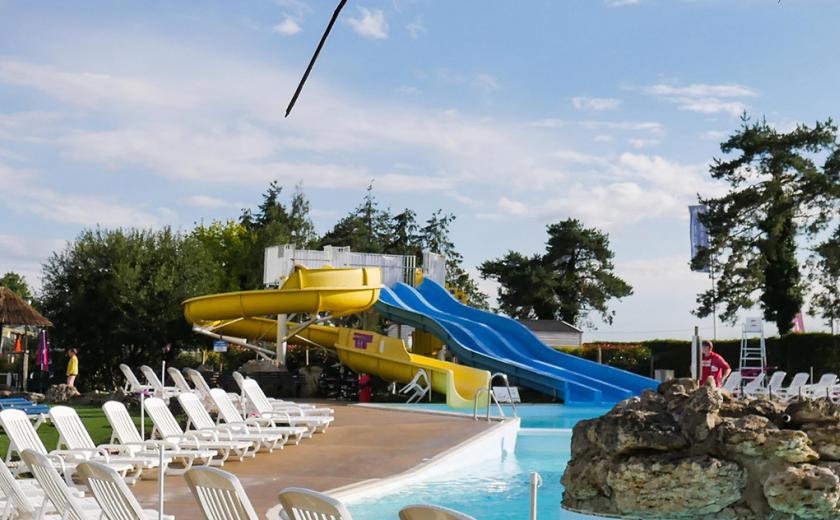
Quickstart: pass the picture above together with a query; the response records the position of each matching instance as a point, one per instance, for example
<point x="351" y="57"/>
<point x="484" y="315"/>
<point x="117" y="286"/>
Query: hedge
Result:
<point x="791" y="353"/>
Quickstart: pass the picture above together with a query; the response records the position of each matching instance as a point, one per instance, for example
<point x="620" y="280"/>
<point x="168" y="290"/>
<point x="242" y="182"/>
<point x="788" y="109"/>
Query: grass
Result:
<point x="94" y="420"/>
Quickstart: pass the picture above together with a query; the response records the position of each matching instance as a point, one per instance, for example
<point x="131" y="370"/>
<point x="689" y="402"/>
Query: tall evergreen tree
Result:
<point x="404" y="236"/>
<point x="825" y="275"/>
<point x="366" y="229"/>
<point x="435" y="237"/>
<point x="571" y="280"/>
<point x="783" y="186"/>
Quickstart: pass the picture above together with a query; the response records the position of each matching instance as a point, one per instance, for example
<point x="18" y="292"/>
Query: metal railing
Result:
<point x="492" y="397"/>
<point x="536" y="483"/>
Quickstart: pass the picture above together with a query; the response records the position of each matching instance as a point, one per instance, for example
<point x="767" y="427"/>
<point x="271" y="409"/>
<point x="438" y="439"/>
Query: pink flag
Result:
<point x="798" y="323"/>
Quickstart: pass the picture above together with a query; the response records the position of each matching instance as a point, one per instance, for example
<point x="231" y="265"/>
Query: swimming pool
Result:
<point x="500" y="488"/>
<point x="555" y="416"/>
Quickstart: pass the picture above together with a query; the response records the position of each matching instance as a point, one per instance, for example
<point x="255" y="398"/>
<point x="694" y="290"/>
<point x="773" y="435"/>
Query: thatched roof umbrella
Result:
<point x="15" y="311"/>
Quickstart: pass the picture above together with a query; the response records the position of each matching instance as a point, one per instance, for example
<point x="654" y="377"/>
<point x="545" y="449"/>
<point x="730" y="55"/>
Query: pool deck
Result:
<point x="362" y="443"/>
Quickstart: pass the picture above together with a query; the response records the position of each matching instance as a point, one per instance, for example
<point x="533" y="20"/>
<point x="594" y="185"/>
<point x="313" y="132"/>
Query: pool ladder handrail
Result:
<point x="492" y="397"/>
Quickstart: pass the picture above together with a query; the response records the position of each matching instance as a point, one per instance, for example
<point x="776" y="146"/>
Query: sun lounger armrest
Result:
<point x="230" y="431"/>
<point x="207" y="434"/>
<point x="186" y="437"/>
<point x="59" y="461"/>
<point x="274" y="414"/>
<point x="75" y="455"/>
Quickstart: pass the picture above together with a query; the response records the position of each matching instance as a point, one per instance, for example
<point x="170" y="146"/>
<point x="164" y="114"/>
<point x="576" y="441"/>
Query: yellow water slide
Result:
<point x="339" y="292"/>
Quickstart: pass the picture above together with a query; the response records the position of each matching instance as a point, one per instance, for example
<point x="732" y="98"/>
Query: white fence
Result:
<point x="280" y="260"/>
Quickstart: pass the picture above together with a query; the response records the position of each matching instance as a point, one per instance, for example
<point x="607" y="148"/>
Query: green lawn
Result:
<point x="94" y="419"/>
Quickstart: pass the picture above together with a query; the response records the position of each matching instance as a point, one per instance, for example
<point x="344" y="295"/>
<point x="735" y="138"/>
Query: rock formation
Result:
<point x="696" y="453"/>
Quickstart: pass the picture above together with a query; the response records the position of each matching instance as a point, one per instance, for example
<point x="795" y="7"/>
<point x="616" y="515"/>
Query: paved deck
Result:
<point x="361" y="444"/>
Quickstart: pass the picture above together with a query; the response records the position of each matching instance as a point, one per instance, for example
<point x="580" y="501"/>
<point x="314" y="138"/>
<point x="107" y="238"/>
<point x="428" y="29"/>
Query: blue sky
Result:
<point x="511" y="115"/>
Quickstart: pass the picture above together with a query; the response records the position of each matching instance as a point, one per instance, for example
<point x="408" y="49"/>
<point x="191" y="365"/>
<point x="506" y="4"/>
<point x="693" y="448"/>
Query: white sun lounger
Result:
<point x="22" y="436"/>
<point x="823" y="388"/>
<point x="751" y="387"/>
<point x="125" y="433"/>
<point x="291" y="406"/>
<point x="795" y="388"/>
<point x="132" y="384"/>
<point x="116" y="501"/>
<point x="178" y="379"/>
<point x="429" y="512"/>
<point x="773" y="387"/>
<point x="203" y="389"/>
<point x="59" y="494"/>
<point x="220" y="495"/>
<point x="73" y="436"/>
<point x="259" y="402"/>
<point x="201" y="421"/>
<point x="299" y="503"/>
<point x="164" y="392"/>
<point x="169" y="430"/>
<point x="21" y="495"/>
<point x="733" y="383"/>
<point x="230" y="416"/>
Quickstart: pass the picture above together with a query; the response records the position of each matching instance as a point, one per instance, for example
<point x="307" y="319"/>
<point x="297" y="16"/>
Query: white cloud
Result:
<point x="651" y="127"/>
<point x="88" y="88"/>
<point x="416" y="28"/>
<point x="701" y="90"/>
<point x="714" y="135"/>
<point x="287" y="27"/>
<point x="593" y="103"/>
<point x="643" y="143"/>
<point x="635" y="187"/>
<point x="485" y="83"/>
<point x="621" y="3"/>
<point x="407" y="90"/>
<point x="370" y="24"/>
<point x="298" y="7"/>
<point x="704" y="98"/>
<point x="27" y="195"/>
<point x="206" y="201"/>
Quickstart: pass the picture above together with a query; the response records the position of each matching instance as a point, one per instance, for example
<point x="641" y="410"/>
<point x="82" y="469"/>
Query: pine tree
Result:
<point x="783" y="187"/>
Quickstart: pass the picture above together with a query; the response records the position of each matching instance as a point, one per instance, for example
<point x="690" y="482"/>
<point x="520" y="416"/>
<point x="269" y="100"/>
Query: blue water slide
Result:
<point x="500" y="344"/>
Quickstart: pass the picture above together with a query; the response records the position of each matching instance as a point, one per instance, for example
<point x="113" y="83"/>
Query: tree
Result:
<point x="17" y="284"/>
<point x="404" y="236"/>
<point x="228" y="245"/>
<point x="366" y="229"/>
<point x="571" y="280"/>
<point x="825" y="275"/>
<point x="117" y="295"/>
<point x="274" y="224"/>
<point x="435" y="237"/>
<point x="783" y="187"/>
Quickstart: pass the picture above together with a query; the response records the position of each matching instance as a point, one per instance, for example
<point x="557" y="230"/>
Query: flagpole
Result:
<point x="714" y="296"/>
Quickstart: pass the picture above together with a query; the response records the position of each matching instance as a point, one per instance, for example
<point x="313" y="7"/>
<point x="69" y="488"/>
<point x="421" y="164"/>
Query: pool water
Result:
<point x="532" y="415"/>
<point x="499" y="489"/>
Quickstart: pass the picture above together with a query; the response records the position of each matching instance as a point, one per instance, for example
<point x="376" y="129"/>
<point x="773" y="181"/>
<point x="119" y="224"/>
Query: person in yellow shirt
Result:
<point x="72" y="367"/>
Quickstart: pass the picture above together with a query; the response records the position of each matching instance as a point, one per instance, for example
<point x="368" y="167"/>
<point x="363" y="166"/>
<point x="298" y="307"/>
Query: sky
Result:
<point x="510" y="115"/>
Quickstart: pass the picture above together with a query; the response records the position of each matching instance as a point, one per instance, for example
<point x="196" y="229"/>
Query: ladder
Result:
<point x="753" y="357"/>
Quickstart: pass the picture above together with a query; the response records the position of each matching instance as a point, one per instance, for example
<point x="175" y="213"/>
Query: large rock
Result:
<point x="61" y="393"/>
<point x="825" y="439"/>
<point x="700" y="413"/>
<point x="649" y="487"/>
<point x="689" y="452"/>
<point x="813" y="411"/>
<point x="805" y="491"/>
<point x="629" y="431"/>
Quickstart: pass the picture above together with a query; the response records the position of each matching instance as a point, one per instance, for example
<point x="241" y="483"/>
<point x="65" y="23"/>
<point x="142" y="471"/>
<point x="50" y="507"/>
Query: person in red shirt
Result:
<point x="365" y="388"/>
<point x="713" y="365"/>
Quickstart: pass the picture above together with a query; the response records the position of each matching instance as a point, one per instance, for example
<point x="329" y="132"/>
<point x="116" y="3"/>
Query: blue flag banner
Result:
<point x="699" y="233"/>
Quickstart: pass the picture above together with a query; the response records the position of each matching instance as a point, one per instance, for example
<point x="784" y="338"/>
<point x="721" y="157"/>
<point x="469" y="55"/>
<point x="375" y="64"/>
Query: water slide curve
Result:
<point x="499" y="344"/>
